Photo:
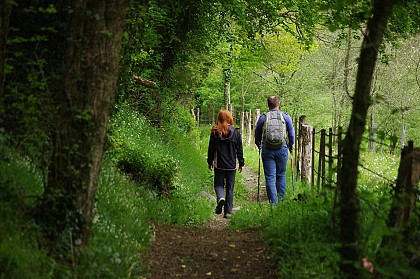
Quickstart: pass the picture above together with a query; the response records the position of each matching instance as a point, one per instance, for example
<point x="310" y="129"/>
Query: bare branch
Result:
<point x="145" y="82"/>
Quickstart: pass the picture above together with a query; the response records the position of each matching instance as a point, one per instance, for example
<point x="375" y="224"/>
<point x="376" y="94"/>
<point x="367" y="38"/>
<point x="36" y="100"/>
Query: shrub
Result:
<point x="20" y="255"/>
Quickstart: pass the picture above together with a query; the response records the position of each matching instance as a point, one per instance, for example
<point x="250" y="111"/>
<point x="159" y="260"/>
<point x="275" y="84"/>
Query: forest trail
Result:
<point x="211" y="250"/>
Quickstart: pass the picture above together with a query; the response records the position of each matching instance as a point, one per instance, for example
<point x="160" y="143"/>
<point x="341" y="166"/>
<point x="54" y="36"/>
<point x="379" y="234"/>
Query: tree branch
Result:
<point x="145" y="82"/>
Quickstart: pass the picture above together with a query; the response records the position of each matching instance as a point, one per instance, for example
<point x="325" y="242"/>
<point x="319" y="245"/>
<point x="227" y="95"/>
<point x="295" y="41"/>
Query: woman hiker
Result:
<point x="225" y="147"/>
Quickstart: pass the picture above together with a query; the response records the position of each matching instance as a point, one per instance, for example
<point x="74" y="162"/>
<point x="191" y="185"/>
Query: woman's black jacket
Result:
<point x="224" y="151"/>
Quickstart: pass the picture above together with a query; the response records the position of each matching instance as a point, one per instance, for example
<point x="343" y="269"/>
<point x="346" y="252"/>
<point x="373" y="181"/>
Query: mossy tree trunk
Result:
<point x="350" y="253"/>
<point x="83" y="106"/>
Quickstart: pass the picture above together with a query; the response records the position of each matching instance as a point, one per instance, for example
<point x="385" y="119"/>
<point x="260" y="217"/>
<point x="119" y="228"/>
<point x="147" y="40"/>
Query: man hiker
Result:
<point x="275" y="134"/>
<point x="225" y="146"/>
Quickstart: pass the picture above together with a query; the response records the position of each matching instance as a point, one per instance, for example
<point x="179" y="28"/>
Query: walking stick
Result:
<point x="259" y="172"/>
<point x="293" y="171"/>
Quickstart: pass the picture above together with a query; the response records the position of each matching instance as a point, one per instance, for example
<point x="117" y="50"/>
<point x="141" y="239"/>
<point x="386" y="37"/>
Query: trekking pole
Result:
<point x="259" y="172"/>
<point x="293" y="171"/>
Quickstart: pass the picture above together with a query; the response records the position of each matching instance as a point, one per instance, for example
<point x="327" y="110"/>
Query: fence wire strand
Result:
<point x="335" y="157"/>
<point x="375" y="173"/>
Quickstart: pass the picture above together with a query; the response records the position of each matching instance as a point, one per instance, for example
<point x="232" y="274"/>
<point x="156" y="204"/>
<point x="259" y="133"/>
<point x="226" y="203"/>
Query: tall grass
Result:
<point x="20" y="254"/>
<point x="300" y="230"/>
<point x="125" y="207"/>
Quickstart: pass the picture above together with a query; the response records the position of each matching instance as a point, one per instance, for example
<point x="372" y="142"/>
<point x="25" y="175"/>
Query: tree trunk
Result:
<point x="211" y="116"/>
<point x="349" y="251"/>
<point x="226" y="90"/>
<point x="248" y="128"/>
<point x="403" y="131"/>
<point x="255" y="120"/>
<point x="193" y="113"/>
<point x="242" y="129"/>
<point x="227" y="74"/>
<point x="84" y="106"/>
<point x="5" y="11"/>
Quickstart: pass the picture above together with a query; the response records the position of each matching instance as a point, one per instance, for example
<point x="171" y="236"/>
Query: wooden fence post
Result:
<point x="406" y="187"/>
<point x="193" y="113"/>
<point x="323" y="135"/>
<point x="404" y="202"/>
<point x="330" y="156"/>
<point x="321" y="161"/>
<point x="249" y="128"/>
<point x="313" y="159"/>
<point x="242" y="130"/>
<point x="247" y="131"/>
<point x="306" y="153"/>
<point x="299" y="164"/>
<point x="339" y="155"/>
<point x="296" y="147"/>
<point x="339" y="163"/>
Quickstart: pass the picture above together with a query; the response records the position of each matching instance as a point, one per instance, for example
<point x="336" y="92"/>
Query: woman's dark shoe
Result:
<point x="220" y="205"/>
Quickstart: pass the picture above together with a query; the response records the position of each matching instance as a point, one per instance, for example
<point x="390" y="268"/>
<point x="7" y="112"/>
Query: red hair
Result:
<point x="224" y="119"/>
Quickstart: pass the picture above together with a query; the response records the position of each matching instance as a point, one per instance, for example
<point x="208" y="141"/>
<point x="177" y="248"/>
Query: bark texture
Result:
<point x="5" y="11"/>
<point x="350" y="253"/>
<point x="84" y="106"/>
<point x="306" y="153"/>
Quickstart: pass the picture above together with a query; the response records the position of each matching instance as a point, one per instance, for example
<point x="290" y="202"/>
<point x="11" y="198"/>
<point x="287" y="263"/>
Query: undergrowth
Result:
<point x="125" y="207"/>
<point x="171" y="183"/>
<point x="20" y="253"/>
<point x="303" y="231"/>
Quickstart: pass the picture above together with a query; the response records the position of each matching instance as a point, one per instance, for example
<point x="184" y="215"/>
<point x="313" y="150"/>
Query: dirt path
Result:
<point x="210" y="251"/>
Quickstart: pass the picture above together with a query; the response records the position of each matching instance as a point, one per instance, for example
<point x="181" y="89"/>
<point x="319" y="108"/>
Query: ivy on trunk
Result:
<point x="84" y="106"/>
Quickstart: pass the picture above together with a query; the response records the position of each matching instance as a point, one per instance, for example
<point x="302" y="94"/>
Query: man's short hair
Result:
<point x="273" y="102"/>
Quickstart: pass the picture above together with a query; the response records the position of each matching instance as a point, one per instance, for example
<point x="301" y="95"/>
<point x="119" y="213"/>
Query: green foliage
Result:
<point x="34" y="57"/>
<point x="182" y="46"/>
<point x="302" y="226"/>
<point x="177" y="44"/>
<point x="397" y="100"/>
<point x="20" y="255"/>
<point x="140" y="152"/>
<point x="167" y="42"/>
<point x="298" y="232"/>
<point x="381" y="166"/>
<point x="167" y="159"/>
<point x="311" y="239"/>
<point x="399" y="257"/>
<point x="123" y="209"/>
<point x="405" y="18"/>
<point x="120" y="228"/>
<point x="177" y="119"/>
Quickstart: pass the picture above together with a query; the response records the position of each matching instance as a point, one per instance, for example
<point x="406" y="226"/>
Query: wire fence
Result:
<point x="329" y="153"/>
